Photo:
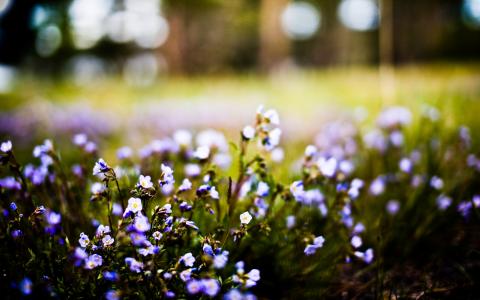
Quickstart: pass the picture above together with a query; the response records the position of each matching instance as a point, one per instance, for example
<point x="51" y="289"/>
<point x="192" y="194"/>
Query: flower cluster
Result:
<point x="171" y="221"/>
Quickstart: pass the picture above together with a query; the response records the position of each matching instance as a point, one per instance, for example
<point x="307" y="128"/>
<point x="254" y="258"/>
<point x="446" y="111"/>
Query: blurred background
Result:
<point x="151" y="37"/>
<point x="185" y="62"/>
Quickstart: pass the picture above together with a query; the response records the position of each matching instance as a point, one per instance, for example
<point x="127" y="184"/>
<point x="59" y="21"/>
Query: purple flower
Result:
<point x="80" y="255"/>
<point x="26" y="286"/>
<point x="134" y="265"/>
<point x="13" y="206"/>
<point x="194" y="286"/>
<point x="124" y="153"/>
<point x="464" y="208"/>
<point x="207" y="249"/>
<point x="10" y="183"/>
<point x="312" y="248"/>
<point x="138" y="239"/>
<point x="111" y="275"/>
<point x="436" y="182"/>
<point x="93" y="261"/>
<point x="296" y="188"/>
<point x="53" y="218"/>
<point x="112" y="295"/>
<point x="291" y="220"/>
<point x="262" y="189"/>
<point x="141" y="223"/>
<point x="44" y="149"/>
<point x="184" y="206"/>
<point x="443" y="202"/>
<point x="393" y="206"/>
<point x="84" y="240"/>
<point x="80" y="139"/>
<point x="233" y="294"/>
<point x="169" y="294"/>
<point x="17" y="233"/>
<point x="117" y="209"/>
<point x="207" y="190"/>
<point x="211" y="287"/>
<point x="220" y="260"/>
<point x="366" y="256"/>
<point x="405" y="165"/>
<point x="253" y="276"/>
<point x="377" y="186"/>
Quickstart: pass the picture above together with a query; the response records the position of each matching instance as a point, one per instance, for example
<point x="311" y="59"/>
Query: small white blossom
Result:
<point x="185" y="186"/>
<point x="202" y="152"/>
<point x="107" y="240"/>
<point x="145" y="182"/>
<point x="188" y="259"/>
<point x="6" y="146"/>
<point x="248" y="132"/>
<point x="245" y="218"/>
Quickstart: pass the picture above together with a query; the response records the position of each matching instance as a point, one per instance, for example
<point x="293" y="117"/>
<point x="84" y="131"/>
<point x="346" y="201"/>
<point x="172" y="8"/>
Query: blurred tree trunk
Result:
<point x="274" y="45"/>
<point x="386" y="40"/>
<point x="175" y="48"/>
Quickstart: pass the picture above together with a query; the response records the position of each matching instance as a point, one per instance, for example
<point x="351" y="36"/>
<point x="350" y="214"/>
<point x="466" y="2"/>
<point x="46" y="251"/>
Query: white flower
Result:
<point x="100" y="167"/>
<point x="297" y="190"/>
<point x="212" y="139"/>
<point x="157" y="235"/>
<point x="188" y="259"/>
<point x="107" y="240"/>
<point x="97" y="188"/>
<point x="43" y="149"/>
<point x="277" y="155"/>
<point x="436" y="182"/>
<point x="273" y="139"/>
<point x="356" y="241"/>
<point x="327" y="166"/>
<point x="346" y="167"/>
<point x="145" y="182"/>
<point x="262" y="189"/>
<point x="377" y="186"/>
<point x="80" y="139"/>
<point x="223" y="160"/>
<point x="310" y="150"/>
<point x="141" y="223"/>
<point x="101" y="230"/>
<point x="248" y="132"/>
<point x="167" y="175"/>
<point x="192" y="170"/>
<point x="202" y="152"/>
<point x="124" y="152"/>
<point x="134" y="205"/>
<point x="318" y="241"/>
<point x="6" y="146"/>
<point x="405" y="165"/>
<point x="395" y="115"/>
<point x="84" y="240"/>
<point x="185" y="186"/>
<point x="214" y="193"/>
<point x="182" y="137"/>
<point x="272" y="117"/>
<point x="245" y="218"/>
